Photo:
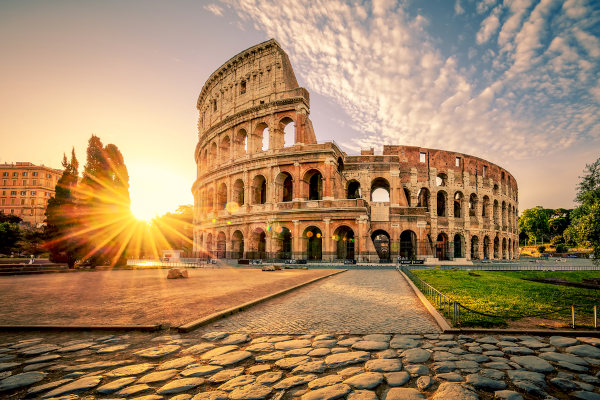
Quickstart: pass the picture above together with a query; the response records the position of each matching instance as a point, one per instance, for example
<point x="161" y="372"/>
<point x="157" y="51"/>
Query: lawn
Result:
<point x="506" y="295"/>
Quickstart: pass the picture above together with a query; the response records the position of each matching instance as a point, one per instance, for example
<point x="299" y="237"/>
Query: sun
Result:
<point x="143" y="213"/>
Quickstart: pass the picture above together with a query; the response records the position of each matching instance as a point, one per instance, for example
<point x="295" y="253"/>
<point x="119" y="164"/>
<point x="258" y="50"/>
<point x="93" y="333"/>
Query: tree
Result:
<point x="10" y="234"/>
<point x="13" y="219"/>
<point x="585" y="227"/>
<point x="62" y="221"/>
<point x="534" y="223"/>
<point x="177" y="227"/>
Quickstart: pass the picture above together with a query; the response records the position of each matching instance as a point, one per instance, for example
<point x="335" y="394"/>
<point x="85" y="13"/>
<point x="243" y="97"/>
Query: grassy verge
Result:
<point x="506" y="295"/>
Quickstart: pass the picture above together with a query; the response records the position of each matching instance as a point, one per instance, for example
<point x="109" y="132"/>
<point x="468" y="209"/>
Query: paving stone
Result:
<point x="530" y="376"/>
<point x="226" y="375"/>
<point x="396" y="378"/>
<point x="180" y="385"/>
<point x="325" y="336"/>
<point x="293" y="344"/>
<point x="258" y="368"/>
<point x="533" y="363"/>
<point x="251" y="392"/>
<point x="416" y="370"/>
<point x="564" y="357"/>
<point x="530" y="388"/>
<point x="274" y="356"/>
<point x="487" y="340"/>
<point x="75" y="347"/>
<point x="444" y="356"/>
<point x="533" y="344"/>
<point x="133" y="390"/>
<point x="311" y="367"/>
<point x="181" y="397"/>
<point x="584" y="350"/>
<point x="484" y="383"/>
<point x="450" y="377"/>
<point x="158" y="352"/>
<point x="384" y="365"/>
<point x="369" y="345"/>
<point x="211" y="395"/>
<point x="135" y="369"/>
<point x="236" y="382"/>
<point x="519" y="350"/>
<point x="198" y="348"/>
<point x="279" y="338"/>
<point x="344" y="359"/>
<point x="80" y="385"/>
<point x="492" y="373"/>
<point x="389" y="353"/>
<point x="261" y="347"/>
<point x="590" y="379"/>
<point x="475" y="357"/>
<point x="336" y="350"/>
<point x="403" y="394"/>
<point x="7" y="366"/>
<point x="115" y="385"/>
<point x="362" y="395"/>
<point x="585" y="386"/>
<point x="415" y="356"/>
<point x="148" y="397"/>
<point x="350" y="371"/>
<point x="294" y="381"/>
<point x="324" y="381"/>
<point x="443" y="366"/>
<point x="176" y="363"/>
<point x="38" y="349"/>
<point x="219" y="351"/>
<point x="564" y="385"/>
<point x="21" y="380"/>
<point x="366" y="380"/>
<point x="349" y="342"/>
<point x="476" y="349"/>
<point x="236" y="338"/>
<point x="112" y="349"/>
<point x="292" y="362"/>
<point x="230" y="358"/>
<point x="6" y="374"/>
<point x="507" y="395"/>
<point x="328" y="343"/>
<point x="562" y="341"/>
<point x="572" y="367"/>
<point x="497" y="365"/>
<point x="298" y="352"/>
<point x="214" y="336"/>
<point x="34" y="390"/>
<point x="457" y="350"/>
<point x="590" y="340"/>
<point x="158" y="376"/>
<point x="320" y="352"/>
<point x="327" y="393"/>
<point x="269" y="377"/>
<point x="424" y="382"/>
<point x="506" y="343"/>
<point x="584" y="395"/>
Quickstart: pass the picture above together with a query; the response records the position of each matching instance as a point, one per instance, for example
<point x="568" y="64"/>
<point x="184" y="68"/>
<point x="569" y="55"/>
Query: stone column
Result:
<point x="327" y="241"/>
<point x="328" y="189"/>
<point x="297" y="196"/>
<point x="296" y="239"/>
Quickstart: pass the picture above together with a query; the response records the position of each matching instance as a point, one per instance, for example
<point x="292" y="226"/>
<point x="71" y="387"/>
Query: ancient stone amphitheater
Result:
<point x="267" y="189"/>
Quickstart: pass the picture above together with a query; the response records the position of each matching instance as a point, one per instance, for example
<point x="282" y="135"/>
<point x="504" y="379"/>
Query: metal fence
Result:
<point x="458" y="313"/>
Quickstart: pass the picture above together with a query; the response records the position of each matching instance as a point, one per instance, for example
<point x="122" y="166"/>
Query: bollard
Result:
<point x="573" y="315"/>
<point x="595" y="317"/>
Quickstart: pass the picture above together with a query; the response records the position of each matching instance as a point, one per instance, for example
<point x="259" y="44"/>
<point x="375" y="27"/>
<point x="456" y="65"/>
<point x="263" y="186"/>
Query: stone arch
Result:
<point x="287" y="127"/>
<point x="209" y="245"/>
<point x="237" y="193"/>
<point x="282" y="241"/>
<point x="222" y="196"/>
<point x="459" y="246"/>
<point x="284" y="187"/>
<point x="408" y="245"/>
<point x="221" y="251"/>
<point x="353" y="190"/>
<point x="237" y="244"/>
<point x="503" y="213"/>
<point x="225" y="149"/>
<point x="509" y="253"/>
<point x="407" y="195"/>
<point x="314" y="243"/>
<point x="344" y="237"/>
<point x="258" y="244"/>
<point x="441" y="179"/>
<point x="213" y="154"/>
<point x="496" y="247"/>
<point x="381" y="241"/>
<point x="240" y="143"/>
<point x="496" y="212"/>
<point x="340" y="165"/>
<point x="486" y="247"/>
<point x="260" y="137"/>
<point x="441" y="203"/>
<point x="441" y="247"/>
<point x="458" y="203"/>
<point x="423" y="198"/>
<point x="504" y="248"/>
<point x="485" y="207"/>
<point x="473" y="205"/>
<point x="210" y="205"/>
<point x="380" y="190"/>
<point x="313" y="182"/>
<point x="474" y="247"/>
<point x="259" y="190"/>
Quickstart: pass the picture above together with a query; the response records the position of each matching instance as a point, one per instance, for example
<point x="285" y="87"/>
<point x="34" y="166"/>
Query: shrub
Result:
<point x="542" y="249"/>
<point x="561" y="248"/>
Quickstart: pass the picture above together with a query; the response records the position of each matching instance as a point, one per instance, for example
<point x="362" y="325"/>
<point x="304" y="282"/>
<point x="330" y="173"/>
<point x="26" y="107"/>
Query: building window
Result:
<point x="34" y="182"/>
<point x="14" y="182"/>
<point x="5" y="174"/>
<point x="3" y="201"/>
<point x="23" y="193"/>
<point x="47" y="175"/>
<point x="15" y="174"/>
<point x="22" y="202"/>
<point x="457" y="162"/>
<point x="214" y="105"/>
<point x="484" y="171"/>
<point x="4" y="182"/>
<point x="243" y="87"/>
<point x="25" y="173"/>
<point x="35" y="173"/>
<point x="13" y="192"/>
<point x="24" y="182"/>
<point x="33" y="193"/>
<point x="422" y="157"/>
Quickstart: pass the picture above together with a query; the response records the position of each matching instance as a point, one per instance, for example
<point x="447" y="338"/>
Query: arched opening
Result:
<point x="496" y="248"/>
<point x="485" y="207"/>
<point x="221" y="197"/>
<point x="283" y="243"/>
<point x="472" y="205"/>
<point x="225" y="149"/>
<point x="314" y="243"/>
<point x="486" y="248"/>
<point x="503" y="213"/>
<point x="209" y="245"/>
<point x="285" y="187"/>
<point x="261" y="137"/>
<point x="314" y="180"/>
<point x="258" y="244"/>
<point x="496" y="212"/>
<point x="458" y="200"/>
<point x="259" y="190"/>
<point x="423" y="198"/>
<point x="210" y="200"/>
<point x="504" y="248"/>
<point x="340" y="165"/>
<point x="237" y="193"/>
<point x="205" y="159"/>
<point x="380" y="190"/>
<point x="509" y="255"/>
<point x="441" y="247"/>
<point x="459" y="246"/>
<point x="381" y="241"/>
<point x="237" y="244"/>
<point x="354" y="190"/>
<point x="441" y="203"/>
<point x="221" y="246"/>
<point x="240" y="143"/>
<point x="495" y="188"/>
<point x="474" y="248"/>
<point x="213" y="154"/>
<point x="344" y="237"/>
<point x="408" y="245"/>
<point x="407" y="195"/>
<point x="288" y="128"/>
<point x="441" y="180"/>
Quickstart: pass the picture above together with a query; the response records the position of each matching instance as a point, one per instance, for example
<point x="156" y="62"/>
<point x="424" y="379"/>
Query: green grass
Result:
<point x="505" y="294"/>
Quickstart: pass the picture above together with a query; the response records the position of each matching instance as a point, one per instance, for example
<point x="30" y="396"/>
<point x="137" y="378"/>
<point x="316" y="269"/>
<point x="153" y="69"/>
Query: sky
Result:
<point x="515" y="82"/>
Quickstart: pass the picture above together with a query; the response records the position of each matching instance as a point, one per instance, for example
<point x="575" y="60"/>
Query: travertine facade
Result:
<point x="26" y="189"/>
<point x="260" y="196"/>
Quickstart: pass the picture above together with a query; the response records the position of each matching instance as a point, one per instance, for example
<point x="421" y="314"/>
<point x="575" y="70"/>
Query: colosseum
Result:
<point x="266" y="189"/>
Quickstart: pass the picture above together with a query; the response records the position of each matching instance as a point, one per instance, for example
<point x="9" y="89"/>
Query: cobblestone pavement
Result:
<point x="356" y="301"/>
<point x="238" y="366"/>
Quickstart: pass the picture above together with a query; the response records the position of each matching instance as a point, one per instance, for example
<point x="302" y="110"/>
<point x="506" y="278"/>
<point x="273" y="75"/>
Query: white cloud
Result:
<point x="489" y="27"/>
<point x="215" y="9"/>
<point x="458" y="10"/>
